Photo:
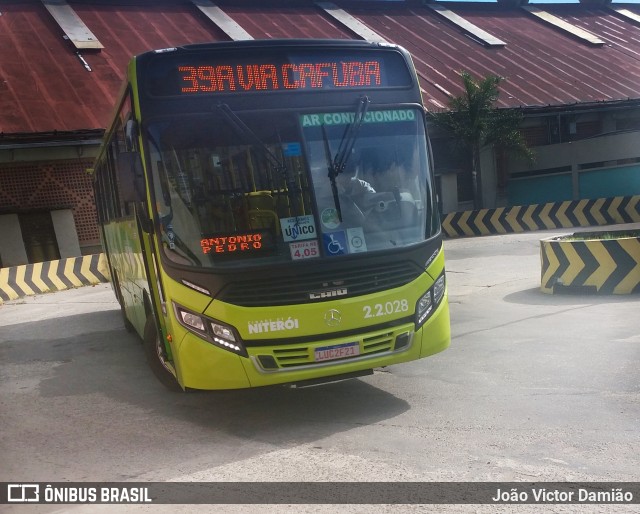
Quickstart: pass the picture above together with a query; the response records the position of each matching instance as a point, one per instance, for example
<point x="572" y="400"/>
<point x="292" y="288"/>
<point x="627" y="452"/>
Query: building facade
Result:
<point x="573" y="70"/>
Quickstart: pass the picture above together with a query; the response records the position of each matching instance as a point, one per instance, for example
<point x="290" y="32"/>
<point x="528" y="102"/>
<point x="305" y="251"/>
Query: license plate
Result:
<point x="337" y="351"/>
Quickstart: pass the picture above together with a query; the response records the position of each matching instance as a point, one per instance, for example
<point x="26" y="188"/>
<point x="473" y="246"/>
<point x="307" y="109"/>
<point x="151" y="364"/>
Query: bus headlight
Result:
<point x="429" y="301"/>
<point x="211" y="330"/>
<point x="191" y="321"/>
<point x="438" y="289"/>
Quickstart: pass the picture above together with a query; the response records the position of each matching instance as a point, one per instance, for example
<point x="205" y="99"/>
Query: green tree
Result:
<point x="475" y="122"/>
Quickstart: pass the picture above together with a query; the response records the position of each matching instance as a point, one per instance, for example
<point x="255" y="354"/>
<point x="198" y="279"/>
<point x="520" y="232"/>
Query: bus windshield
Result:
<point x="236" y="189"/>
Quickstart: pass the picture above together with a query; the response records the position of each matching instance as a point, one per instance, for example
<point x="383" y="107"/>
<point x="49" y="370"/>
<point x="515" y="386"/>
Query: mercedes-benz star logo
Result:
<point x="333" y="318"/>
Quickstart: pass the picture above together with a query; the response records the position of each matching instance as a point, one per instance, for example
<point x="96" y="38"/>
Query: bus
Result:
<point x="268" y="213"/>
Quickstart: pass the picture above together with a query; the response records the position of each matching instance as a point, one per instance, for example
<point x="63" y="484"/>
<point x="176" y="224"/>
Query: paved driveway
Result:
<point x="533" y="388"/>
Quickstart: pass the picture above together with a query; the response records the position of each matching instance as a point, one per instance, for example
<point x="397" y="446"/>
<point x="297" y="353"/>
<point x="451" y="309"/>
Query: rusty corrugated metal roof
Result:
<point x="44" y="86"/>
<point x="285" y="21"/>
<point x="556" y="68"/>
<point x="541" y="65"/>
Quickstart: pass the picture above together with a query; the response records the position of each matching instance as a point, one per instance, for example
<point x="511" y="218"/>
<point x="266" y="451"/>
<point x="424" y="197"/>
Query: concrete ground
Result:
<point x="534" y="387"/>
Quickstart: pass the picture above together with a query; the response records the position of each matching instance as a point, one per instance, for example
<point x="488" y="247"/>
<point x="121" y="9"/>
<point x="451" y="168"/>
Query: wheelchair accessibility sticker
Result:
<point x="335" y="243"/>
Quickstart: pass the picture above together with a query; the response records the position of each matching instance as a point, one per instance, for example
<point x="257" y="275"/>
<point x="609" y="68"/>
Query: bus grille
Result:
<point x="285" y="290"/>
<point x="303" y="355"/>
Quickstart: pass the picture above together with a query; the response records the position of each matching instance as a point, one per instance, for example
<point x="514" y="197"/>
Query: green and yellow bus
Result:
<point x="268" y="213"/>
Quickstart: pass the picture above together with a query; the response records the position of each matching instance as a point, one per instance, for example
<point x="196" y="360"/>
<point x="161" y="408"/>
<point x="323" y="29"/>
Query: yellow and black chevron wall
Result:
<point x="42" y="277"/>
<point x="591" y="264"/>
<point x="29" y="279"/>
<point x="523" y="218"/>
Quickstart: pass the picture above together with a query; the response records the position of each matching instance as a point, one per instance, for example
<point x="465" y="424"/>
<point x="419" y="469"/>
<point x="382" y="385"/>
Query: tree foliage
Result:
<point x="475" y="122"/>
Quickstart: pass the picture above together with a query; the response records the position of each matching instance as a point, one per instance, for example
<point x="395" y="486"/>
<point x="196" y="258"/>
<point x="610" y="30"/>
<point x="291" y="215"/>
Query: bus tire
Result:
<point x="155" y="353"/>
<point x="116" y="285"/>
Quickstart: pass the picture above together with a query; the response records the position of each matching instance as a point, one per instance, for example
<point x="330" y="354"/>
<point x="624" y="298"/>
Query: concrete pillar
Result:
<point x="66" y="234"/>
<point x="489" y="177"/>
<point x="449" y="192"/>
<point x="12" y="250"/>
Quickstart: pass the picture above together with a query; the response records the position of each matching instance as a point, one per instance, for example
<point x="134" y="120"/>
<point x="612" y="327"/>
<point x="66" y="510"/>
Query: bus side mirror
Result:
<point x="130" y="177"/>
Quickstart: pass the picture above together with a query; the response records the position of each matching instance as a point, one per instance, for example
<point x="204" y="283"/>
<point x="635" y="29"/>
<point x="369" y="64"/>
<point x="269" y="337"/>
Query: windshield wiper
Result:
<point x="279" y="165"/>
<point x="337" y="164"/>
<point x="332" y="172"/>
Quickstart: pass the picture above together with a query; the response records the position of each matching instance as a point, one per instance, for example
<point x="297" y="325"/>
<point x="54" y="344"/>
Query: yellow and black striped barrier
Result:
<point x="523" y="218"/>
<point x="43" y="277"/>
<point x="30" y="279"/>
<point x="603" y="263"/>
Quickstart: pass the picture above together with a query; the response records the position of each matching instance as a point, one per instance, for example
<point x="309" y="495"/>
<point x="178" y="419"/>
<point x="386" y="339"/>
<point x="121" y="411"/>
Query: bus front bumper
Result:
<point x="208" y="367"/>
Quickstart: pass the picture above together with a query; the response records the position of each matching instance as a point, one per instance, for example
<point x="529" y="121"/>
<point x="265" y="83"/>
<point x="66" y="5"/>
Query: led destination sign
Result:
<point x="271" y="77"/>
<point x="267" y="70"/>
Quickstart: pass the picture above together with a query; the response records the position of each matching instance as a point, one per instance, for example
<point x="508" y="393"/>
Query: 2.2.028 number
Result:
<point x="384" y="309"/>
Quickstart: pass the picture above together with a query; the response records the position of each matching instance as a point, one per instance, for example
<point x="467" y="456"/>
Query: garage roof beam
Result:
<point x="71" y="24"/>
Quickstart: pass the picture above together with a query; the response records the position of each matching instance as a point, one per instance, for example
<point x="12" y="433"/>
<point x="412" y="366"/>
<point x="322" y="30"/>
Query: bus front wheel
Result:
<point x="157" y="357"/>
<point x="116" y="286"/>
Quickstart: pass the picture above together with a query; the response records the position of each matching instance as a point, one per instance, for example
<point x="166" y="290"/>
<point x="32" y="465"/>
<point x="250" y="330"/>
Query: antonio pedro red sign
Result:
<point x="245" y="243"/>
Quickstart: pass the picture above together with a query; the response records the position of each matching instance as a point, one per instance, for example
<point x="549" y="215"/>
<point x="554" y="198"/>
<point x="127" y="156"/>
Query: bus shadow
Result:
<point x="108" y="365"/>
<point x="534" y="296"/>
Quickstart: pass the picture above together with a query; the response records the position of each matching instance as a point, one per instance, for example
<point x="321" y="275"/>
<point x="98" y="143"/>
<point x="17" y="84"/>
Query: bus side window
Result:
<point x="100" y="193"/>
<point x="120" y="142"/>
